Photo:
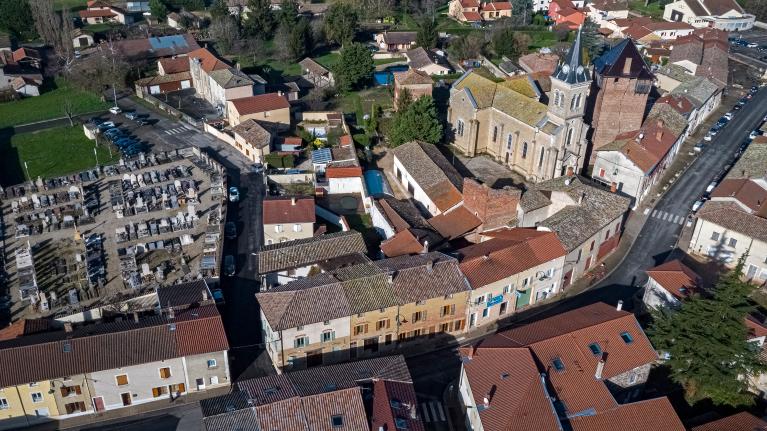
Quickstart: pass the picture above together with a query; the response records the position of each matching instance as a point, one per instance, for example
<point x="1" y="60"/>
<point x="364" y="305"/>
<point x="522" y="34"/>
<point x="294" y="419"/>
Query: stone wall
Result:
<point x="495" y="207"/>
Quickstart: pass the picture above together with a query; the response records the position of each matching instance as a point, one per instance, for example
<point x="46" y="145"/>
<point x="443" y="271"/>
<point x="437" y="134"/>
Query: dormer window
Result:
<point x="595" y="349"/>
<point x="627" y="338"/>
<point x="337" y="421"/>
<point x="558" y="364"/>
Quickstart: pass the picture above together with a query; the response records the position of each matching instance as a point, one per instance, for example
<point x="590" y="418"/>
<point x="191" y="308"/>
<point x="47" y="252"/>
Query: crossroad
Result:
<point x="665" y="216"/>
<point x="433" y="411"/>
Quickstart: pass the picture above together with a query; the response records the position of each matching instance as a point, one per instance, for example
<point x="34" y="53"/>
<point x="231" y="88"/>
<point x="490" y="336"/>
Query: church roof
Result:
<point x="613" y="62"/>
<point x="571" y="70"/>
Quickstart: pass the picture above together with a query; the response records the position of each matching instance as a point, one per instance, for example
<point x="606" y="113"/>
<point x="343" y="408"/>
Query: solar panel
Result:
<point x="167" y="42"/>
<point x="323" y="155"/>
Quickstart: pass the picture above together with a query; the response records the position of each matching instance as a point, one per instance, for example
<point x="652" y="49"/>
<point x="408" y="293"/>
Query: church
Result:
<point x="507" y="121"/>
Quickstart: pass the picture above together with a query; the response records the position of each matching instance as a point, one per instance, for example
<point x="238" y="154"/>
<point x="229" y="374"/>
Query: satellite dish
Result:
<point x="566" y="68"/>
<point x="579" y="69"/>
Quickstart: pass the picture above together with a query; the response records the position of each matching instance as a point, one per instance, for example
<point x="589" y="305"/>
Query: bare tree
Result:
<point x="67" y="107"/>
<point x="55" y="28"/>
<point x="102" y="69"/>
<point x="225" y="31"/>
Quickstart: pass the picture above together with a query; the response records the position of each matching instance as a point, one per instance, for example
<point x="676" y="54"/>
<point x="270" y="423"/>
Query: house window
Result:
<point x="291" y="360"/>
<point x="524" y="150"/>
<point x="459" y="128"/>
<point x="714" y="236"/>
<point x="214" y="380"/>
<point x="159" y="391"/>
<point x="485" y="312"/>
<point x="595" y="349"/>
<point x="632" y="378"/>
<point x="591" y="247"/>
<point x="419" y="316"/>
<point x="76" y="407"/>
<point x="212" y="363"/>
<point x="495" y="133"/>
<point x="507" y="288"/>
<point x="569" y="137"/>
<point x="382" y="324"/>
<point x="37" y="397"/>
<point x="448" y="310"/>
<point x="540" y="159"/>
<point x="299" y="328"/>
<point x="121" y="380"/>
<point x="69" y="391"/>
<point x="297" y="228"/>
<point x="301" y="341"/>
<point x="165" y="373"/>
<point x="479" y="300"/>
<point x="445" y="327"/>
<point x="337" y="421"/>
<point x="601" y="172"/>
<point x="733" y="242"/>
<point x="627" y="338"/>
<point x="361" y="329"/>
<point x="328" y="336"/>
<point x="278" y="228"/>
<point x="558" y="364"/>
<point x="3" y="404"/>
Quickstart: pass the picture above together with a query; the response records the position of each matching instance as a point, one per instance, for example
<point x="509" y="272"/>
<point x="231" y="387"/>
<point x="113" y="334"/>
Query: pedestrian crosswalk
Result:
<point x="667" y="217"/>
<point x="433" y="412"/>
<point x="177" y="130"/>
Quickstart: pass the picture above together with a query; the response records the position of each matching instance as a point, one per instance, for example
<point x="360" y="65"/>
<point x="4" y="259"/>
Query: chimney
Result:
<point x="620" y="305"/>
<point x="486" y="401"/>
<point x="293" y="201"/>
<point x="581" y="198"/>
<point x="470" y="354"/>
<point x="570" y="171"/>
<point x="425" y="247"/>
<point x="204" y="294"/>
<point x="390" y="278"/>
<point x="627" y="66"/>
<point x="600" y="368"/>
<point x="430" y="265"/>
<point x="135" y="316"/>
<point x="486" y="256"/>
<point x="67" y="327"/>
<point x="613" y="187"/>
<point x="413" y="412"/>
<point x="171" y="314"/>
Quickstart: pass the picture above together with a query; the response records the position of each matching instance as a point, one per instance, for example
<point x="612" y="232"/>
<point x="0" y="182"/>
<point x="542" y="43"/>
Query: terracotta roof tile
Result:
<point x="175" y="65"/>
<point x="343" y="172"/>
<point x="433" y="173"/>
<point x="394" y="400"/>
<point x="424" y="276"/>
<point x="402" y="243"/>
<point x="412" y="77"/>
<point x="208" y="61"/>
<point x="289" y="210"/>
<point x="455" y="223"/>
<point x="743" y="421"/>
<point x="653" y="414"/>
<point x="745" y="191"/>
<point x="260" y="103"/>
<point x="730" y="216"/>
<point x="320" y="409"/>
<point x="308" y="251"/>
<point x="677" y="278"/>
<point x="472" y="16"/>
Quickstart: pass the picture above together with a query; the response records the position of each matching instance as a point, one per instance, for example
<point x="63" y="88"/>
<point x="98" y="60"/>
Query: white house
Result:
<point x="668" y="284"/>
<point x="725" y="15"/>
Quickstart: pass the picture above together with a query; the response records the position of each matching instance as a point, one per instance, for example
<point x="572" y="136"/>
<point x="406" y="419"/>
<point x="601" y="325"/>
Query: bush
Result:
<point x="280" y="161"/>
<point x="362" y="139"/>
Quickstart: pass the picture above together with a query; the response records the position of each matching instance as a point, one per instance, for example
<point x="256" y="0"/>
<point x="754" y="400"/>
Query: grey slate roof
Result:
<point x="399" y="37"/>
<point x="309" y="251"/>
<point x="697" y="90"/>
<point x="572" y="69"/>
<point x="427" y="165"/>
<point x="230" y="78"/>
<point x="413" y="280"/>
<point x="418" y="58"/>
<point x="238" y="420"/>
<point x="534" y="199"/>
<point x="752" y="163"/>
<point x="574" y="224"/>
<point x="225" y="403"/>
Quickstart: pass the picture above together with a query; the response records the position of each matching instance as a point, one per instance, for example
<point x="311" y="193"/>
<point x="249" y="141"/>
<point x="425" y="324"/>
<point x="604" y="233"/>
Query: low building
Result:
<point x="474" y="11"/>
<point x="81" y="39"/>
<point x="217" y="82"/>
<point x="315" y="74"/>
<point x="283" y="262"/>
<point x="99" y="12"/>
<point x="428" y="176"/>
<point x="395" y="41"/>
<point x="424" y="61"/>
<point x="26" y="86"/>
<point x="363" y="309"/>
<point x="287" y="219"/>
<point x="586" y="218"/>
<point x="153" y="48"/>
<point x="604" y="12"/>
<point x="512" y="270"/>
<point x="539" y="62"/>
<point x="668" y="284"/>
<point x="165" y="83"/>
<point x="579" y="370"/>
<point x="270" y="109"/>
<point x="402" y="227"/>
<point x="703" y="53"/>
<point x="739" y="421"/>
<point x="252" y="140"/>
<point x="725" y="15"/>
<point x="417" y="84"/>
<point x="565" y="14"/>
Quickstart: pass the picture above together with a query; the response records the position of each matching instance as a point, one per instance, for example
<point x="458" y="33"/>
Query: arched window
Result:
<point x="524" y="150"/>
<point x="510" y="143"/>
<point x="578" y="103"/>
<point x="557" y="97"/>
<point x="540" y="159"/>
<point x="569" y="137"/>
<point x="574" y="103"/>
<point x="495" y="133"/>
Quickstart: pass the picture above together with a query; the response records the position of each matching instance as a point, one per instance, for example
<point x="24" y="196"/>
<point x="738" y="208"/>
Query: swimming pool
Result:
<point x="385" y="76"/>
<point x="375" y="183"/>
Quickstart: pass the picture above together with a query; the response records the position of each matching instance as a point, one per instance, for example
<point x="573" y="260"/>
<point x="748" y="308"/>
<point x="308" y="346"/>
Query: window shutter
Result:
<point x="366" y="328"/>
<point x="181" y="387"/>
<point x="423" y="315"/>
<point x="452" y="309"/>
<point x="78" y="391"/>
<point x="155" y="392"/>
<point x="388" y="323"/>
<point x="415" y="317"/>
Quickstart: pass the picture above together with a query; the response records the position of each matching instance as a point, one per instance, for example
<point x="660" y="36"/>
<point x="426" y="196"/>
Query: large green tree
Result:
<point x="593" y="42"/>
<point x="341" y="22"/>
<point x="260" y="20"/>
<point x="521" y="11"/>
<point x="16" y="18"/>
<point x="756" y="7"/>
<point x="706" y="343"/>
<point x="354" y="68"/>
<point x="288" y="15"/>
<point x="159" y="9"/>
<point x="300" y="41"/>
<point x="427" y="35"/>
<point x="417" y="122"/>
<point x="218" y="9"/>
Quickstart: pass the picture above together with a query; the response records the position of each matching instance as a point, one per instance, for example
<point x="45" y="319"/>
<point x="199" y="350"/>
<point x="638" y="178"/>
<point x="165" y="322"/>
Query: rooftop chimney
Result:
<point x="67" y="326"/>
<point x="390" y="277"/>
<point x="425" y="247"/>
<point x="135" y="316"/>
<point x="293" y="201"/>
<point x="171" y="313"/>
<point x="204" y="294"/>
<point x="486" y="401"/>
<point x="570" y="171"/>
<point x="600" y="368"/>
<point x="430" y="265"/>
<point x="620" y="305"/>
<point x="627" y="66"/>
<point x="659" y="134"/>
<point x="470" y="353"/>
<point x="580" y="199"/>
<point x="613" y="187"/>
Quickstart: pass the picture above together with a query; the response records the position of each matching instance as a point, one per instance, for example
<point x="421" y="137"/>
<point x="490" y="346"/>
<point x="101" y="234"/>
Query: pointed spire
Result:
<point x="575" y="56"/>
<point x="571" y="69"/>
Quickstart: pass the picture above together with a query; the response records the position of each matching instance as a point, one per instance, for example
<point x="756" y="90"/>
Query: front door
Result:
<point x="83" y="41"/>
<point x="371" y="344"/>
<point x="504" y="306"/>
<point x="98" y="404"/>
<point x="314" y="358"/>
<point x="126" y="398"/>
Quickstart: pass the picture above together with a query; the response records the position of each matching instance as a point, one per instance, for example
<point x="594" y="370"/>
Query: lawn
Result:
<point x="328" y="60"/>
<point x="48" y="105"/>
<point x="70" y="4"/>
<point x="49" y="153"/>
<point x="380" y="95"/>
<point x="654" y="9"/>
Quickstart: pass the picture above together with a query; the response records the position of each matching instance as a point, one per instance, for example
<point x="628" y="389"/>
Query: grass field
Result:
<point x="48" y="105"/>
<point x="654" y="9"/>
<point x="49" y="153"/>
<point x="70" y="4"/>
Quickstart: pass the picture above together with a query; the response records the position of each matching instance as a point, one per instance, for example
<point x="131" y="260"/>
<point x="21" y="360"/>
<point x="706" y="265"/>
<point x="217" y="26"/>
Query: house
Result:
<point x="738" y="421"/>
<point x="26" y="86"/>
<point x="27" y="58"/>
<point x="733" y="221"/>
<point x="81" y="39"/>
<point x="704" y="53"/>
<point x="287" y="219"/>
<point x="153" y="48"/>
<point x="704" y="94"/>
<point x="636" y="161"/>
<point x="565" y="14"/>
<point x="725" y="15"/>
<point x="623" y="83"/>
<point x="283" y="262"/>
<point x="395" y="41"/>
<point x="364" y="310"/>
<point x="269" y="108"/>
<point x="428" y="176"/>
<point x="402" y="227"/>
<point x="158" y="353"/>
<point x="164" y="83"/>
<point x="415" y="82"/>
<point x="99" y="12"/>
<point x="602" y="12"/>
<point x="321" y="398"/>
<point x="317" y="75"/>
<point x="422" y="61"/>
<point x="579" y="370"/>
<point x="512" y="270"/>
<point x="182" y="20"/>
<point x="217" y="82"/>
<point x="668" y="284"/>
<point x="587" y="220"/>
<point x="474" y="11"/>
<point x="507" y="121"/>
<point x="253" y="140"/>
<point x="539" y="62"/>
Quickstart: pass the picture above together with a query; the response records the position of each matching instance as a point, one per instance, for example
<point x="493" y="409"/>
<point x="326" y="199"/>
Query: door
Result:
<point x="98" y="404"/>
<point x="504" y="306"/>
<point x="314" y="358"/>
<point x="126" y="398"/>
<point x="371" y="344"/>
<point x="387" y="340"/>
<point x="200" y="384"/>
<point x="523" y="298"/>
<point x="751" y="271"/>
<point x="588" y="264"/>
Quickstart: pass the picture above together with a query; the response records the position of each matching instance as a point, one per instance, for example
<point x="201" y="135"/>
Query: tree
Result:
<point x="260" y="21"/>
<point x="522" y="43"/>
<point x="521" y="12"/>
<point x="282" y="43"/>
<point x="16" y="18"/>
<point x="377" y="9"/>
<point x="427" y="35"/>
<point x="55" y="28"/>
<point x="418" y="122"/>
<point x="300" y="43"/>
<point x="101" y="69"/>
<point x="404" y="100"/>
<point x="288" y="14"/>
<point x="706" y="343"/>
<point x="225" y="32"/>
<point x="756" y="7"/>
<point x="354" y="67"/>
<point x="68" y="109"/>
<point x="502" y="41"/>
<point x="593" y="42"/>
<point x="159" y="9"/>
<point x="340" y="23"/>
<point x="467" y="47"/>
<point x="219" y="9"/>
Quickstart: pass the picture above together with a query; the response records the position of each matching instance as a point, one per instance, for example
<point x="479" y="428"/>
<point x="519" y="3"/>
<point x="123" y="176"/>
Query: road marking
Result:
<point x="441" y="412"/>
<point x="654" y="212"/>
<point x="425" y="412"/>
<point x="665" y="216"/>
<point x="681" y="221"/>
<point x="676" y="219"/>
<point x="646" y="210"/>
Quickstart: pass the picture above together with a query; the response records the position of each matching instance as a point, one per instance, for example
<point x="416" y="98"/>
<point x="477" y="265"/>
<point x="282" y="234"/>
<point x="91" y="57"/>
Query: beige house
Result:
<point x="417" y="84"/>
<point x="507" y="121"/>
<point x="420" y="60"/>
<point x="395" y="41"/>
<point x="216" y="81"/>
<point x="271" y="109"/>
<point x="286" y="219"/>
<point x="476" y="11"/>
<point x="725" y="15"/>
<point x="252" y="140"/>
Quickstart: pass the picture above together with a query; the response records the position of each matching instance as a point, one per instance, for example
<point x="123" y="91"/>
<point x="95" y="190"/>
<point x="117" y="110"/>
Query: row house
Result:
<point x="283" y="262"/>
<point x="86" y="369"/>
<point x="288" y="219"/>
<point x="565" y="14"/>
<point x="580" y="370"/>
<point x="364" y="309"/>
<point x="668" y="284"/>
<point x="586" y="218"/>
<point x="515" y="268"/>
<point x="725" y="15"/>
<point x="216" y="81"/>
<point x="473" y="11"/>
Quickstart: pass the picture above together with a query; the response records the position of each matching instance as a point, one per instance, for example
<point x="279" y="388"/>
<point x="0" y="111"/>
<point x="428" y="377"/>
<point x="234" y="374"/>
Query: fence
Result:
<point x="159" y="104"/>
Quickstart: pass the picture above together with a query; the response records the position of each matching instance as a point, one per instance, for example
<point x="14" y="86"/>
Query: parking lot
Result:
<point x="750" y="47"/>
<point x="84" y="239"/>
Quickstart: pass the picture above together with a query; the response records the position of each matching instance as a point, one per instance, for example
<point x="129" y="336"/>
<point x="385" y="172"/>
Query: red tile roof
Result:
<point x="209" y="62"/>
<point x="648" y="151"/>
<point x="469" y="3"/>
<point x="497" y="5"/>
<point x="677" y="278"/>
<point x="175" y="65"/>
<point x="743" y="421"/>
<point x="653" y="414"/>
<point x="755" y="327"/>
<point x="679" y="103"/>
<point x="743" y="190"/>
<point x="343" y="172"/>
<point x="498" y="258"/>
<point x="96" y="13"/>
<point x="260" y="103"/>
<point x="394" y="400"/>
<point x="289" y="210"/>
<point x="345" y="140"/>
<point x="402" y="243"/>
<point x="472" y="16"/>
<point x="455" y="223"/>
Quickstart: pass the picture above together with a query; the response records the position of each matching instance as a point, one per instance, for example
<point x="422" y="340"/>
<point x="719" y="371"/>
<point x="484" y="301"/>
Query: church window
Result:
<point x="495" y="133"/>
<point x="578" y="104"/>
<point x="557" y="96"/>
<point x="573" y="103"/>
<point x="569" y="137"/>
<point x="524" y="150"/>
<point x="459" y="128"/>
<point x="510" y="143"/>
<point x="540" y="160"/>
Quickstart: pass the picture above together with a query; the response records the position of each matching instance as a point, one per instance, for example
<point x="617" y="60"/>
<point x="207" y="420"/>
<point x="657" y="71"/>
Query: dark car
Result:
<point x="231" y="230"/>
<point x="229" y="266"/>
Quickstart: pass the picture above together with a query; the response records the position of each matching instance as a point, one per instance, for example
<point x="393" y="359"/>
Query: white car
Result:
<point x="115" y="110"/>
<point x="753" y="134"/>
<point x="707" y="137"/>
<point x="711" y="187"/>
<point x="728" y="115"/>
<point x="697" y="205"/>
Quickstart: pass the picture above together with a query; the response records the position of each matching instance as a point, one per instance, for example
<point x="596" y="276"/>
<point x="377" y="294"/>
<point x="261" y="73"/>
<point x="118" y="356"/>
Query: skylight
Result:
<point x="558" y="364"/>
<point x="395" y="403"/>
<point x="67" y="347"/>
<point x="400" y="423"/>
<point x="595" y="349"/>
<point x="627" y="338"/>
<point x="337" y="421"/>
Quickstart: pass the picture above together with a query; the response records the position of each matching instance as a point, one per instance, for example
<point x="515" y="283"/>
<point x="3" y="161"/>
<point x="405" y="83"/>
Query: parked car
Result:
<point x="229" y="266"/>
<point x="230" y="229"/>
<point x="106" y="125"/>
<point x="115" y="110"/>
<point x="218" y="296"/>
<point x="131" y="115"/>
<point x="696" y="206"/>
<point x="752" y="45"/>
<point x="142" y="122"/>
<point x="753" y="134"/>
<point x="234" y="194"/>
<point x="698" y="147"/>
<point x="708" y="136"/>
<point x="257" y="168"/>
<point x="728" y="115"/>
<point x="711" y="187"/>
